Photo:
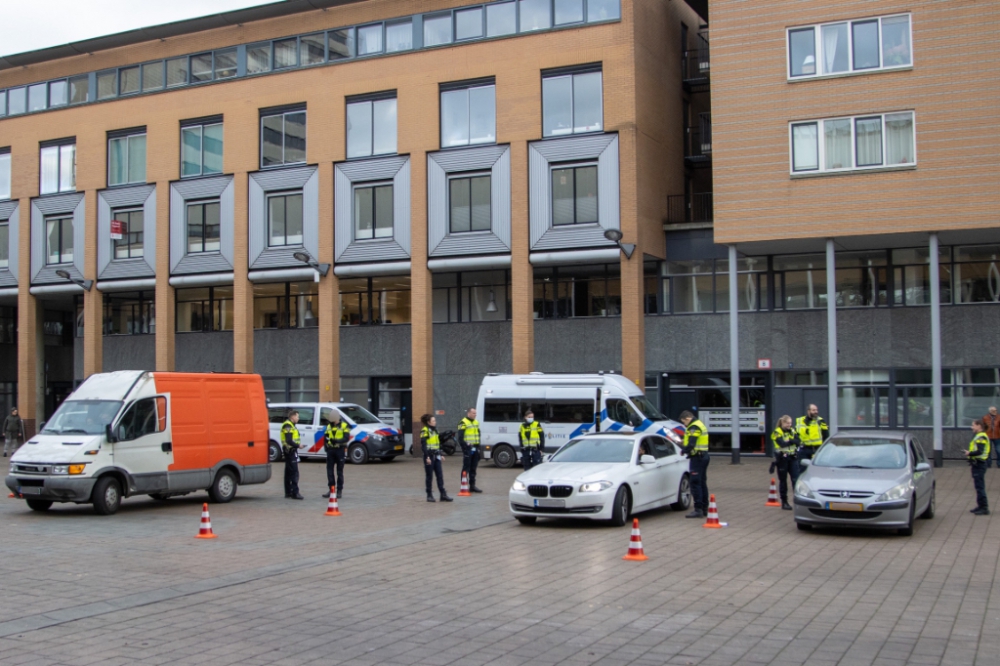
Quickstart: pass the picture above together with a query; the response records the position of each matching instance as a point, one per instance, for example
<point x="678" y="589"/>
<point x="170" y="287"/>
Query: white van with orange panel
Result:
<point x="146" y="433"/>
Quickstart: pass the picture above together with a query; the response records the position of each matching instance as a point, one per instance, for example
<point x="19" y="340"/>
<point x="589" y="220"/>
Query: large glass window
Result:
<point x="130" y="245"/>
<point x="127" y="159"/>
<point x="286" y="305"/>
<point x="373" y="212"/>
<point x="472" y="296"/>
<point x="469" y="203"/>
<point x="577" y="291"/>
<point x="853" y="143"/>
<point x="398" y="36"/>
<point x="283" y="139"/>
<point x="437" y="30"/>
<point x="371" y="127"/>
<point x="225" y="64"/>
<point x="535" y="15"/>
<point x="201" y="149"/>
<point x="79" y="89"/>
<point x="800" y="281"/>
<point x="572" y="103"/>
<point x="152" y="76"/>
<point x="977" y="276"/>
<point x="59" y="240"/>
<point x="574" y="195"/>
<point x="702" y="286"/>
<point x="58" y="169"/>
<point x="284" y="219"/>
<point x="468" y="115"/>
<point x="501" y="19"/>
<point x="203" y="226"/>
<point x="17" y="101"/>
<point x="856" y="46"/>
<point x="568" y="11"/>
<point x="375" y="300"/>
<point x="312" y="49"/>
<point x="204" y="309"/>
<point x="259" y="58"/>
<point x="911" y="276"/>
<point x="340" y="44"/>
<point x="5" y="174"/>
<point x="862" y="279"/>
<point x="4" y="244"/>
<point x="370" y="39"/>
<point x="130" y="313"/>
<point x="469" y="23"/>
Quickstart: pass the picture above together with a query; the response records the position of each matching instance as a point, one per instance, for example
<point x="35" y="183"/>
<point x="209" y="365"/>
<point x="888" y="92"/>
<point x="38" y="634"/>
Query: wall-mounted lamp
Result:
<point x="86" y="284"/>
<point x="304" y="257"/>
<point x="615" y="236"/>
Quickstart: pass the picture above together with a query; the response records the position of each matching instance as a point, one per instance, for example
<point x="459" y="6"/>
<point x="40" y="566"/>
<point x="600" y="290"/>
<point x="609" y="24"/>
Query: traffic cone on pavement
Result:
<point x="772" y="495"/>
<point x="331" y="508"/>
<point x="463" y="491"/>
<point x="635" y="553"/>
<point x="205" y="532"/>
<point x="713" y="514"/>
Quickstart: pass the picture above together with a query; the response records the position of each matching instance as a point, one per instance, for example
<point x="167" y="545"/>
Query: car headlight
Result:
<point x="802" y="490"/>
<point x="894" y="493"/>
<point x="60" y="469"/>
<point x="595" y="486"/>
<point x="518" y="485"/>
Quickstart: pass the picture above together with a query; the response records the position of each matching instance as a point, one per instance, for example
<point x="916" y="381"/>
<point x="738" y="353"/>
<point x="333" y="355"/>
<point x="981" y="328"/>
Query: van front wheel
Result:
<point x="107" y="496"/>
<point x="503" y="457"/>
<point x="358" y="454"/>
<point x="224" y="488"/>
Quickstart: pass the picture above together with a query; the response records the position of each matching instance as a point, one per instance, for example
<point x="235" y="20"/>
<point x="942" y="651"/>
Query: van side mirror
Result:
<point x="109" y="434"/>
<point x="647" y="460"/>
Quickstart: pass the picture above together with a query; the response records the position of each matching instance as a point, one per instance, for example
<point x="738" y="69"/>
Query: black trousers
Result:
<point x="335" y="463"/>
<point x="787" y="466"/>
<point x="291" y="473"/>
<point x="434" y="469"/>
<point x="530" y="456"/>
<point x="470" y="461"/>
<point x="979" y="481"/>
<point x="699" y="480"/>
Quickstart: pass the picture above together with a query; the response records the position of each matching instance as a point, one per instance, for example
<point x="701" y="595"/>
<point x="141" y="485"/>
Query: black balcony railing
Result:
<point x="697" y="208"/>
<point x="695" y="66"/>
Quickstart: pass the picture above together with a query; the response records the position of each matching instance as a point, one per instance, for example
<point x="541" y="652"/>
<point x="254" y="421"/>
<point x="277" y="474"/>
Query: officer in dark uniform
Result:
<point x="532" y="438"/>
<point x="696" y="449"/>
<point x="291" y="445"/>
<point x="813" y="431"/>
<point x="468" y="439"/>
<point x="430" y="442"/>
<point x="978" y="454"/>
<point x="786" y="444"/>
<point x="335" y="441"/>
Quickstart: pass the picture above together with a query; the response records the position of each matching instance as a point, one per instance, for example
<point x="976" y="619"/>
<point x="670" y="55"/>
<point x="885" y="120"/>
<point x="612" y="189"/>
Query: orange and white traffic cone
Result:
<point x="772" y="495"/>
<point x="463" y="491"/>
<point x="331" y="508"/>
<point x="713" y="514"/>
<point x="635" y="553"/>
<point x="205" y="532"/>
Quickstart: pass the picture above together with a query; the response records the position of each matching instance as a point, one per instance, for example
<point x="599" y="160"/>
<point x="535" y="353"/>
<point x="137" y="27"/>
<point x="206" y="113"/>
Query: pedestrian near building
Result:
<point x="290" y="443"/>
<point x="696" y="449"/>
<point x="468" y="439"/>
<point x="532" y="437"/>
<point x="991" y="423"/>
<point x="430" y="442"/>
<point x="335" y="440"/>
<point x="978" y="454"/>
<point x="786" y="445"/>
<point x="812" y="430"/>
<point x="13" y="432"/>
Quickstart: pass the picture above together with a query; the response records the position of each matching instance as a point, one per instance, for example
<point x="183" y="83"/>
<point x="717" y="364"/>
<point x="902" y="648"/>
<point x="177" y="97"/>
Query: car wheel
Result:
<point x="39" y="505"/>
<point x="358" y="454"/>
<point x="503" y="457"/>
<point x="107" y="496"/>
<point x="526" y="520"/>
<point x="908" y="530"/>
<point x="683" y="502"/>
<point x="224" y="487"/>
<point x="931" y="506"/>
<point x="273" y="452"/>
<point x="622" y="507"/>
<point x="804" y="527"/>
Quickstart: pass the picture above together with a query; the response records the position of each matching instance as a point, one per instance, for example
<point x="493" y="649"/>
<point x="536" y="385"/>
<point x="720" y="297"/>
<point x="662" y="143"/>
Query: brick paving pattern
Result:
<point x="396" y="580"/>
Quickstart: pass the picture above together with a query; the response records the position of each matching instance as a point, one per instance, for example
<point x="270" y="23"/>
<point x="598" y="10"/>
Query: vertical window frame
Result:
<point x="201" y="124"/>
<point x="127" y="236"/>
<point x="127" y="136"/>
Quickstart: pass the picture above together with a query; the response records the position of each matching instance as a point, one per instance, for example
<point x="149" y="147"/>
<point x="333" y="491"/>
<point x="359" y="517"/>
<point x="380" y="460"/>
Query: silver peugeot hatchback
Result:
<point x="866" y="479"/>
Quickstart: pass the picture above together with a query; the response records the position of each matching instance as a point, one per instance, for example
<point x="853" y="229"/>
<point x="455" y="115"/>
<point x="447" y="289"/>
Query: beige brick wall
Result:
<point x="952" y="89"/>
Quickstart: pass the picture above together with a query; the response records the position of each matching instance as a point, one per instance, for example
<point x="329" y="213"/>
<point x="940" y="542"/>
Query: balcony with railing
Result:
<point x="696" y="67"/>
<point x="698" y="141"/>
<point x="695" y="209"/>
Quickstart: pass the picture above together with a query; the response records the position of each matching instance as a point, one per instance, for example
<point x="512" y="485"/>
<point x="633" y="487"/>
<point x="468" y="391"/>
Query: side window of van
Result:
<point x="621" y="411"/>
<point x="277" y="414"/>
<point x="306" y="415"/>
<point x="326" y="416"/>
<point x="580" y="411"/>
<point x="141" y="419"/>
<point x="503" y="411"/>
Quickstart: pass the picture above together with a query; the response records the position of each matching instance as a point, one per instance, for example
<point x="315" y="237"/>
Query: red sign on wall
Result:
<point x="118" y="228"/>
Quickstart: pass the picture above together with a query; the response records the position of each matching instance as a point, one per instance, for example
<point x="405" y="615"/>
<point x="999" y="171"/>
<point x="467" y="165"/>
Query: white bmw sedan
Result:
<point x="604" y="476"/>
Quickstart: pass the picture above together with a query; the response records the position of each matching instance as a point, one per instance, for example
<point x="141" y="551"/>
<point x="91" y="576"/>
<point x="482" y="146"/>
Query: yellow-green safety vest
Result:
<point x="470" y="428"/>
<point x="783" y="440"/>
<point x="697" y="430"/>
<point x="337" y="435"/>
<point x="982" y="439"/>
<point x="811" y="434"/>
<point x="531" y="434"/>
<point x="289" y="427"/>
<point x="431" y="440"/>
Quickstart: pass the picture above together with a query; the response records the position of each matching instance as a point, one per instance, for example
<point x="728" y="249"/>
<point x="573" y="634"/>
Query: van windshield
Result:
<point x="82" y="417"/>
<point x="647" y="408"/>
<point x="358" y="415"/>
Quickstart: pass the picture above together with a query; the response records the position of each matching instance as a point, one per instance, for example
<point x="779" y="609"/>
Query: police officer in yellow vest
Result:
<point x="335" y="441"/>
<point x="813" y="431"/>
<point x="431" y="444"/>
<point x="978" y="454"/>
<point x="468" y="439"/>
<point x="291" y="444"/>
<point x="786" y="444"/>
<point x="696" y="449"/>
<point x="532" y="438"/>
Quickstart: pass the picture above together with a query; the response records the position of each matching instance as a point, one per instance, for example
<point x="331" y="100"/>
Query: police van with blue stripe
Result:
<point x="567" y="406"/>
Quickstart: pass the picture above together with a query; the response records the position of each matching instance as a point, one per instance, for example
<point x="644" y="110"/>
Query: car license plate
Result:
<point x="550" y="504"/>
<point x="844" y="506"/>
<point x="399" y="447"/>
<point x="29" y="491"/>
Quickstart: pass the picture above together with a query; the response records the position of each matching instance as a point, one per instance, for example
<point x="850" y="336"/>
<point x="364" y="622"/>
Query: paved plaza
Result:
<point x="396" y="580"/>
